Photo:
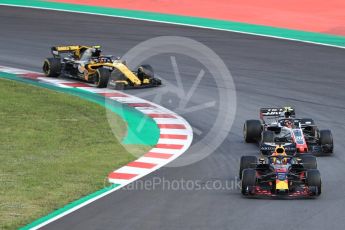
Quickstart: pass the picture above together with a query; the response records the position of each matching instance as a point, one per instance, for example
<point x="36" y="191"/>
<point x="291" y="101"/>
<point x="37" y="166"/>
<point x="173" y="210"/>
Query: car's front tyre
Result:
<point x="309" y="161"/>
<point x="313" y="178"/>
<point x="247" y="162"/>
<point x="326" y="141"/>
<point x="248" y="181"/>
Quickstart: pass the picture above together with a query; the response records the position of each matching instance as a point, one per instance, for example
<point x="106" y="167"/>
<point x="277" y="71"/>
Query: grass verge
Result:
<point x="54" y="148"/>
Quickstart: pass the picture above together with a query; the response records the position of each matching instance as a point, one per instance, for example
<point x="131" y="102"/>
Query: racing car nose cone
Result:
<point x="302" y="150"/>
<point x="282" y="185"/>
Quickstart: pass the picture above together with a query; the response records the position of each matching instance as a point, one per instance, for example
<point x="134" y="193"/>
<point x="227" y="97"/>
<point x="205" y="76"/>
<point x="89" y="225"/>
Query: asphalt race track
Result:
<point x="266" y="72"/>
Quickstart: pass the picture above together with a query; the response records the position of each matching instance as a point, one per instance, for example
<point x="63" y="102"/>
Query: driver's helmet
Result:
<point x="288" y="123"/>
<point x="287" y="114"/>
<point x="96" y="52"/>
<point x="87" y="54"/>
<point x="279" y="151"/>
<point x="90" y="53"/>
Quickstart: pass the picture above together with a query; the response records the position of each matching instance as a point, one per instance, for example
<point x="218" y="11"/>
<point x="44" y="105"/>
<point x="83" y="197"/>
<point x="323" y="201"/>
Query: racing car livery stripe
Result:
<point x="238" y="27"/>
<point x="174" y="139"/>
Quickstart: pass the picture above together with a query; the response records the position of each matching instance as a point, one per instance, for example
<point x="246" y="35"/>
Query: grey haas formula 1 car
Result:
<point x="280" y="126"/>
<point x="86" y="63"/>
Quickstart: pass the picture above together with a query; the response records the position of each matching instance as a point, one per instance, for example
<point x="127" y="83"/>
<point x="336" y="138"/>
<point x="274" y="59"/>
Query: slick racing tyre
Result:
<point x="102" y="77"/>
<point x="156" y="81"/>
<point x="309" y="161"/>
<point x="52" y="67"/>
<point x="248" y="181"/>
<point x="314" y="180"/>
<point x="252" y="131"/>
<point x="247" y="162"/>
<point x="326" y="141"/>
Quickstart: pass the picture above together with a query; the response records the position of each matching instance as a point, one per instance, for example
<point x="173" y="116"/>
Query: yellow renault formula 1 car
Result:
<point x="86" y="63"/>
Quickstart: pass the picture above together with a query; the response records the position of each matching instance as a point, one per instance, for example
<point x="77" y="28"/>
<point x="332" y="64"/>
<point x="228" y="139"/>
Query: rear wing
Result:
<point x="277" y="112"/>
<point x="75" y="49"/>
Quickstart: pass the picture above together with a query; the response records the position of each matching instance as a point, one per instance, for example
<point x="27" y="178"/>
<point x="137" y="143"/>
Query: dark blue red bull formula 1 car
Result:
<point x="280" y="175"/>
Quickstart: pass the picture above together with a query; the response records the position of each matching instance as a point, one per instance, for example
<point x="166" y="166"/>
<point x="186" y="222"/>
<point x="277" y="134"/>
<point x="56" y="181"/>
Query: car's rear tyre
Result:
<point x="52" y="67"/>
<point x="102" y="77"/>
<point x="247" y="162"/>
<point x="252" y="131"/>
<point x="313" y="179"/>
<point x="267" y="136"/>
<point x="326" y="141"/>
<point x="309" y="161"/>
<point x="248" y="181"/>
